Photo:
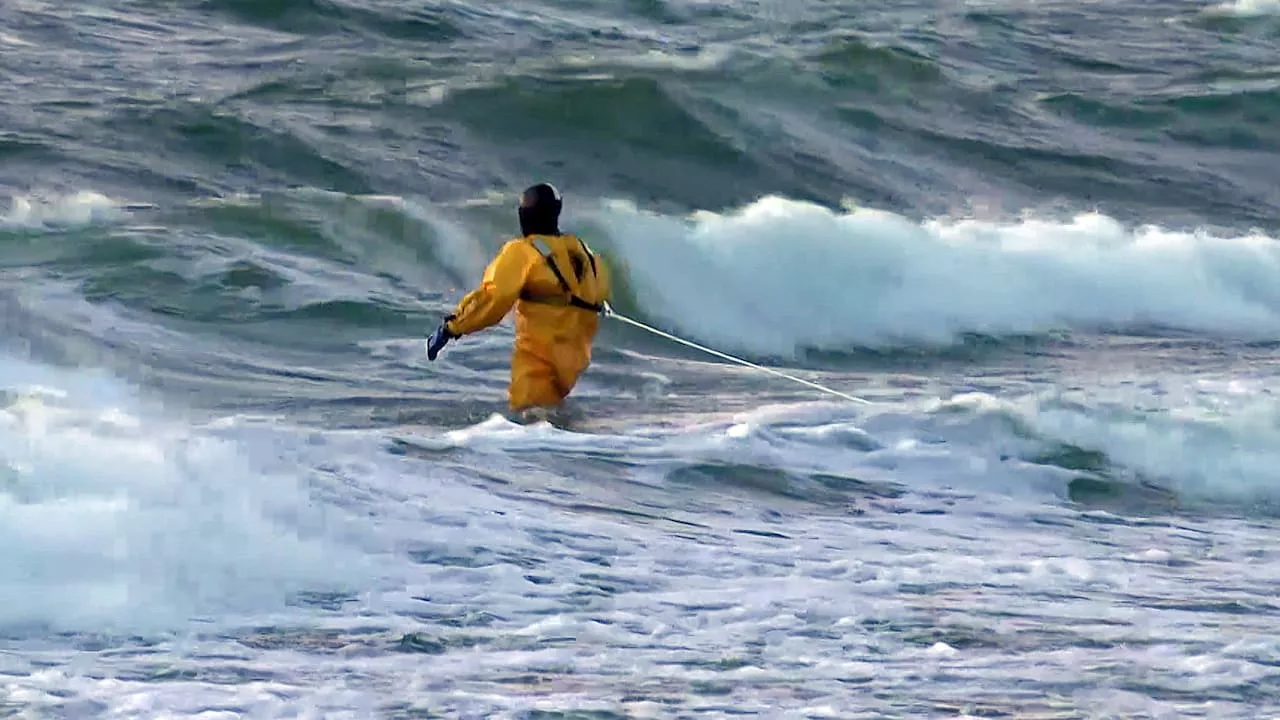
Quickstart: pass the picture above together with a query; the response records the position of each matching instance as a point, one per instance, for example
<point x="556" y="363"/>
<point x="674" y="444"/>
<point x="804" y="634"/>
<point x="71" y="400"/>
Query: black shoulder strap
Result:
<point x="590" y="256"/>
<point x="574" y="300"/>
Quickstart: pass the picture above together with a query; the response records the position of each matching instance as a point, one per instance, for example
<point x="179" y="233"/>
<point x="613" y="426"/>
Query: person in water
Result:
<point x="558" y="288"/>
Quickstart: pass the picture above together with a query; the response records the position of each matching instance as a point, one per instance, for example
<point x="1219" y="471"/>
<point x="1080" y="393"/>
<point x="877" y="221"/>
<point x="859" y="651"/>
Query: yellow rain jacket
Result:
<point x="558" y="287"/>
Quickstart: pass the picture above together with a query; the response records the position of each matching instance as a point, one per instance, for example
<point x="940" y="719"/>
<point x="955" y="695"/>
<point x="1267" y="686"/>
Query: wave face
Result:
<point x="1039" y="239"/>
<point x="919" y="108"/>
<point x="791" y="276"/>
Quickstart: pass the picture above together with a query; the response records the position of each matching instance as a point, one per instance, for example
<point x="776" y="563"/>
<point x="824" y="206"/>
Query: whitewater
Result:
<point x="953" y="540"/>
<point x="1038" y="241"/>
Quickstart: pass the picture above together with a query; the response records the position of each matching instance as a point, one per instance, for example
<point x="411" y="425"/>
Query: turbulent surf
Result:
<point x="1041" y="240"/>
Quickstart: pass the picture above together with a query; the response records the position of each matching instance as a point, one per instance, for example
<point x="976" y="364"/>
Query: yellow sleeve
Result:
<point x="497" y="293"/>
<point x="604" y="280"/>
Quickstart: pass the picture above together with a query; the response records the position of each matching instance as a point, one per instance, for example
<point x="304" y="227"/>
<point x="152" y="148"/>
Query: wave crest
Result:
<point x="779" y="277"/>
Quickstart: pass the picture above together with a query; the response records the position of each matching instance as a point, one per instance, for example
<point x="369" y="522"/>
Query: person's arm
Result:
<point x="498" y="291"/>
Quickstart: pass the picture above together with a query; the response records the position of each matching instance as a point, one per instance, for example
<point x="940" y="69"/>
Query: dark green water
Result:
<point x="1040" y="237"/>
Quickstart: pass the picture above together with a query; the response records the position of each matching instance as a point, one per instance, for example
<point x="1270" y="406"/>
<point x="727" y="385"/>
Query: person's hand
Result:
<point x="438" y="340"/>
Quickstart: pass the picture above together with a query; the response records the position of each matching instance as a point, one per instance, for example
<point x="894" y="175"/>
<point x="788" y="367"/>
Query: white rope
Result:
<point x="608" y="312"/>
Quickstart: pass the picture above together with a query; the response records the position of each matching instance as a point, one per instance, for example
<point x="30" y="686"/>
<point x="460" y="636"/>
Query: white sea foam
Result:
<point x="112" y="518"/>
<point x="61" y="210"/>
<point x="779" y="275"/>
<point x="1245" y="8"/>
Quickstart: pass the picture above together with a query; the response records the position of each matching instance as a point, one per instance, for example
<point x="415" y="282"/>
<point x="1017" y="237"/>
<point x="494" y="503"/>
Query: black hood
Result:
<point x="540" y="210"/>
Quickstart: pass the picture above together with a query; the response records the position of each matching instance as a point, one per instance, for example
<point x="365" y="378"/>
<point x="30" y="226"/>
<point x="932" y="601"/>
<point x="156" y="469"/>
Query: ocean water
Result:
<point x="1038" y="239"/>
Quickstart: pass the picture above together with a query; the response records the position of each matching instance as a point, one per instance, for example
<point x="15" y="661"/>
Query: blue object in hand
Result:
<point x="438" y="340"/>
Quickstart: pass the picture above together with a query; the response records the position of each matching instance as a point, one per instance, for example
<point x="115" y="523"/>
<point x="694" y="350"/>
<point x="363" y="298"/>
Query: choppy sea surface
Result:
<point x="1039" y="239"/>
